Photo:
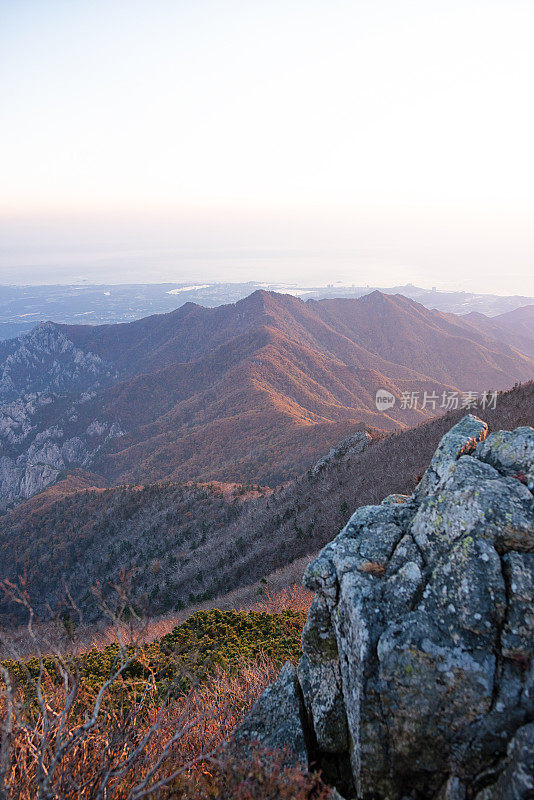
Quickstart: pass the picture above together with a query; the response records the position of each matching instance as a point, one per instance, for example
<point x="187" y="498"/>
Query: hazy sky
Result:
<point x="379" y="141"/>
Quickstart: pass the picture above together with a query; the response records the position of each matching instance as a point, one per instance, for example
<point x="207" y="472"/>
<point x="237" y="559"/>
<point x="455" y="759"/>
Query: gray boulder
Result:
<point x="416" y="677"/>
<point x="516" y="781"/>
<point x="275" y="721"/>
<point x="462" y="439"/>
<point x="511" y="453"/>
<point x="320" y="678"/>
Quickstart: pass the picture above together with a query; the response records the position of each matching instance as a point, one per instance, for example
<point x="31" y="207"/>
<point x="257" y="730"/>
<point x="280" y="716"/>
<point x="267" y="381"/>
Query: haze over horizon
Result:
<point x="309" y="143"/>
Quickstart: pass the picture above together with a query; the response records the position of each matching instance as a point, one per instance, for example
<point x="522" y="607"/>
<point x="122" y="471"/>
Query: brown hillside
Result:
<point x="230" y="389"/>
<point x="427" y="341"/>
<point x="515" y="328"/>
<point x="191" y="543"/>
<point x="236" y="414"/>
<point x="519" y="321"/>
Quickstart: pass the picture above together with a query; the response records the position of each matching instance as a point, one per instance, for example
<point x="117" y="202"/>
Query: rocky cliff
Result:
<point x="416" y="679"/>
<point x="45" y="382"/>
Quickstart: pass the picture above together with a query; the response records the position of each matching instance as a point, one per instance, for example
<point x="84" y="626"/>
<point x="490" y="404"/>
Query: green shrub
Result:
<point x="206" y="641"/>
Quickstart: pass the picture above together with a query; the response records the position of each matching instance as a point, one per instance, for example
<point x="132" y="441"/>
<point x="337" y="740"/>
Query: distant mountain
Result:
<point x="427" y="341"/>
<point x="515" y="328"/>
<point x="520" y="321"/>
<point x="23" y="307"/>
<point x="461" y="302"/>
<point x="188" y="543"/>
<point x="253" y="391"/>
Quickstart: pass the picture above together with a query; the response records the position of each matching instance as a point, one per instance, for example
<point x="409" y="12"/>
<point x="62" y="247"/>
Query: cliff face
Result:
<point x="417" y="678"/>
<point x="44" y="378"/>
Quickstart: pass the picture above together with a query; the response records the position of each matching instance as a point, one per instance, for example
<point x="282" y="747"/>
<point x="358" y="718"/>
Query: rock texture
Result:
<point x="355" y="443"/>
<point x="275" y="720"/>
<point x="45" y="377"/>
<point x="416" y="678"/>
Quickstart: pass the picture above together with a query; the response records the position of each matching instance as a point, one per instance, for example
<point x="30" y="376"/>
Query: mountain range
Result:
<point x="251" y="392"/>
<point x="23" y="307"/>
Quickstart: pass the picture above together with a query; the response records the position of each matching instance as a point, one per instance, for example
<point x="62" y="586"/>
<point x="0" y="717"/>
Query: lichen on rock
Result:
<point x="416" y="672"/>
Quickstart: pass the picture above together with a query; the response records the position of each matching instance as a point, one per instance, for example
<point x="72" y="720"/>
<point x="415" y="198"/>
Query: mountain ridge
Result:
<point x="516" y="327"/>
<point x="21" y="307"/>
<point x="220" y="393"/>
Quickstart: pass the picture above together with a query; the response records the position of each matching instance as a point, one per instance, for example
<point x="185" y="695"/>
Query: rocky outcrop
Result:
<point x="46" y="361"/>
<point x="351" y="445"/>
<point x="416" y="678"/>
<point x="44" y="377"/>
<point x="275" y="720"/>
<point x="47" y="454"/>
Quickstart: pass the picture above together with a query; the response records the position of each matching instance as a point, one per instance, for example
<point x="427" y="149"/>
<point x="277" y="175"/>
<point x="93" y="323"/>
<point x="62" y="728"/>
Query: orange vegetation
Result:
<point x="139" y="745"/>
<point x="259" y="389"/>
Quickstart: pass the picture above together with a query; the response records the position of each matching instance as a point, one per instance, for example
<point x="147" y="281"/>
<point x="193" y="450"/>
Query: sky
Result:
<point x="365" y="141"/>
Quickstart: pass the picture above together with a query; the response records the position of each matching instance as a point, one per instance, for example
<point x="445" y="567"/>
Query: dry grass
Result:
<point x="205" y="717"/>
<point x="295" y="597"/>
<point x="263" y="776"/>
<point x="282" y="590"/>
<point x="140" y="732"/>
<point x="373" y="568"/>
<point x="188" y="765"/>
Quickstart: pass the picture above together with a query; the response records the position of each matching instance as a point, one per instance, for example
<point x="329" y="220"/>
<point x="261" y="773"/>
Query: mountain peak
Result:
<point x="267" y="300"/>
<point x="375" y="296"/>
<point x="386" y="298"/>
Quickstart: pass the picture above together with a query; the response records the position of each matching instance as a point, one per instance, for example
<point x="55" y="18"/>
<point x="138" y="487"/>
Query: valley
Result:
<point x="188" y="543"/>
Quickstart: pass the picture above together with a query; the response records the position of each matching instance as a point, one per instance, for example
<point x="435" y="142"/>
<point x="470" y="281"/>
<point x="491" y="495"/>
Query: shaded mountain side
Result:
<point x="304" y="515"/>
<point x="488" y="326"/>
<point x="515" y="328"/>
<point x="427" y="341"/>
<point x="189" y="543"/>
<point x="520" y="321"/>
<point x="230" y="393"/>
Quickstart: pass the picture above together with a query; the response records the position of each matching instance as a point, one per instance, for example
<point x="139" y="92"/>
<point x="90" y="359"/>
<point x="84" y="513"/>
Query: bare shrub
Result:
<point x="294" y="597"/>
<point x="130" y="746"/>
<point x="126" y="739"/>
